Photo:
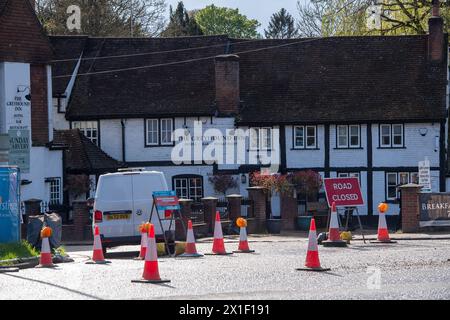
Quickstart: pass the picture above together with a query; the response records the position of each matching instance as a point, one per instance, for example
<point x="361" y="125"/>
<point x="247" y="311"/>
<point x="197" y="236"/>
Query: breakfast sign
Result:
<point x="434" y="209"/>
<point x="345" y="192"/>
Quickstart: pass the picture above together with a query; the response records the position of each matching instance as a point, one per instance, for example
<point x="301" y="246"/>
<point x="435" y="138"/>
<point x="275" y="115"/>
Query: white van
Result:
<point x="123" y="201"/>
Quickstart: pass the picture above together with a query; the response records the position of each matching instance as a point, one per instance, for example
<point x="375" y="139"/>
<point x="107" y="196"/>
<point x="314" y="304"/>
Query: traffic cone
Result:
<point x="243" y="242"/>
<point x="143" y="245"/>
<point x="383" y="233"/>
<point x="190" y="250"/>
<point x="218" y="245"/>
<point x="312" y="257"/>
<point x="45" y="260"/>
<point x="97" y="254"/>
<point x="151" y="270"/>
<point x="334" y="238"/>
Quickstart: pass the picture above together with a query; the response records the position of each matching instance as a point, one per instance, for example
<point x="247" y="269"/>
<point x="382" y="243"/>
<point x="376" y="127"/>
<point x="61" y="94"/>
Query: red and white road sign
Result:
<point x="345" y="192"/>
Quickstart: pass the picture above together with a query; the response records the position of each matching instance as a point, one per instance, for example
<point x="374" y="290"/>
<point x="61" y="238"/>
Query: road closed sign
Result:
<point x="345" y="192"/>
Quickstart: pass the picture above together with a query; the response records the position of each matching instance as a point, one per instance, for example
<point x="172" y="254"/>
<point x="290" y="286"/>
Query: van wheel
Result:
<point x="104" y="250"/>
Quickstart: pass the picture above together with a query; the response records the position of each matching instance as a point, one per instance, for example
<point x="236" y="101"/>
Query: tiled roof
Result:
<point x="83" y="156"/>
<point x="182" y="89"/>
<point x="377" y="78"/>
<point x="342" y="79"/>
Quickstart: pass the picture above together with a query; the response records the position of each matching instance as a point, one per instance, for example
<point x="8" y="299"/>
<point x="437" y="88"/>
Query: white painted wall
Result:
<point x="417" y="147"/>
<point x="348" y="157"/>
<point x="44" y="164"/>
<point x="59" y="119"/>
<point x="305" y="158"/>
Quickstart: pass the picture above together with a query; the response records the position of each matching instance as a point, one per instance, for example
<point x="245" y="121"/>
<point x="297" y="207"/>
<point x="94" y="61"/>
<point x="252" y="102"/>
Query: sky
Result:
<point x="260" y="10"/>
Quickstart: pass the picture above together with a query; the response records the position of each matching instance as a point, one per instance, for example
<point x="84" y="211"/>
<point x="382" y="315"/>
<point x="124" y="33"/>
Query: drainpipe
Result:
<point x="124" y="158"/>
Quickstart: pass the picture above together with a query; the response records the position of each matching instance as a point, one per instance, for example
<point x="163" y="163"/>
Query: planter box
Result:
<point x="303" y="223"/>
<point x="274" y="226"/>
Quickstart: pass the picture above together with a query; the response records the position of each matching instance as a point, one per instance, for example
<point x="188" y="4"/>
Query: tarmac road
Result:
<point x="406" y="270"/>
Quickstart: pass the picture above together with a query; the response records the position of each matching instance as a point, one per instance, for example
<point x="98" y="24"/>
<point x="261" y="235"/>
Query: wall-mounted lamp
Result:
<point x="243" y="179"/>
<point x="423" y="131"/>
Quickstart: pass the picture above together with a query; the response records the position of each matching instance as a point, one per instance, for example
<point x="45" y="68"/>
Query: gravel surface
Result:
<point x="405" y="270"/>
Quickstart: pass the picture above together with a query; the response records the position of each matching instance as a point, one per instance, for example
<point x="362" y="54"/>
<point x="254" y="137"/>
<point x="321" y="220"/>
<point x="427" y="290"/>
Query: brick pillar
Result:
<point x="259" y="199"/>
<point x="185" y="211"/>
<point x="289" y="211"/>
<point x="210" y="208"/>
<point x="80" y="218"/>
<point x="234" y="206"/>
<point x="32" y="208"/>
<point x="410" y="207"/>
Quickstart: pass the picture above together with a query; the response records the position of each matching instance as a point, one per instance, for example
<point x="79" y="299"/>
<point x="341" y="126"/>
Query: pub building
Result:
<point x="369" y="107"/>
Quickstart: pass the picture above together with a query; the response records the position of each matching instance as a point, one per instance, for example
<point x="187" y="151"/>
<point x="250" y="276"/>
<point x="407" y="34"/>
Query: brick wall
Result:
<point x="39" y="105"/>
<point x="21" y="35"/>
<point x="227" y="84"/>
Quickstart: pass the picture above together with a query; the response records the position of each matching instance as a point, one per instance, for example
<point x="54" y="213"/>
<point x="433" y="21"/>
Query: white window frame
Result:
<point x="394" y="135"/>
<point x="389" y="135"/>
<point x="254" y="138"/>
<point x="390" y="185"/>
<point x="308" y="136"/>
<point x="265" y="138"/>
<point x="409" y="179"/>
<point x="89" y="130"/>
<point x="168" y="130"/>
<point x="186" y="190"/>
<point x="261" y="138"/>
<point x="302" y="136"/>
<point x="147" y="129"/>
<point x="339" y="136"/>
<point x="358" y="130"/>
<point x="56" y="191"/>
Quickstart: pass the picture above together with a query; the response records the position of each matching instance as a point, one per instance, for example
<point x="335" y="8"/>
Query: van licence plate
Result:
<point x="118" y="216"/>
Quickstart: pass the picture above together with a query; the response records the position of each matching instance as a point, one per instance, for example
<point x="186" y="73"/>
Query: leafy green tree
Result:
<point x="100" y="18"/>
<point x="367" y="17"/>
<point x="182" y="23"/>
<point x="219" y="20"/>
<point x="281" y="26"/>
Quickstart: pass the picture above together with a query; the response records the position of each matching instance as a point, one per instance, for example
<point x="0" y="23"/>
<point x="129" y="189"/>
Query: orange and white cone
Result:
<point x="218" y="245"/>
<point x="191" y="249"/>
<point x="151" y="270"/>
<point x="45" y="260"/>
<point x="97" y="252"/>
<point x="144" y="236"/>
<point x="312" y="262"/>
<point x="383" y="233"/>
<point x="334" y="237"/>
<point x="243" y="242"/>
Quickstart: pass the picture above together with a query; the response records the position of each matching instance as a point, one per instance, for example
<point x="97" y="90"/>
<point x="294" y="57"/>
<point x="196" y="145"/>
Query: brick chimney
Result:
<point x="227" y="84"/>
<point x="33" y="4"/>
<point x="436" y="34"/>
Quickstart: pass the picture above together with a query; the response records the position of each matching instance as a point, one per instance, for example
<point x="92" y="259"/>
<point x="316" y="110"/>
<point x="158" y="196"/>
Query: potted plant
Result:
<point x="274" y="186"/>
<point x="307" y="184"/>
<point x="222" y="183"/>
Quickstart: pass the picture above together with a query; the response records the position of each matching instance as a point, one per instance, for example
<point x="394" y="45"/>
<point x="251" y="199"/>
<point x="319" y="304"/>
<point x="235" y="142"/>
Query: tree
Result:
<point x="281" y="26"/>
<point x="218" y="20"/>
<point x="366" y="17"/>
<point x="181" y="23"/>
<point x="324" y="18"/>
<point x="118" y="18"/>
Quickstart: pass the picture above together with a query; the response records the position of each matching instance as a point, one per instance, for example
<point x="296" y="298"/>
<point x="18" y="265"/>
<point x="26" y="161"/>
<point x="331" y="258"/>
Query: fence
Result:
<point x="222" y="207"/>
<point x="197" y="213"/>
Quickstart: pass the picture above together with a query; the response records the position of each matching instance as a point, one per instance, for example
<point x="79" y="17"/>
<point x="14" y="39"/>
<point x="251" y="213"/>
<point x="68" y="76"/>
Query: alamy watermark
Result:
<point x="374" y="278"/>
<point x="254" y="146"/>
<point x="74" y="20"/>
